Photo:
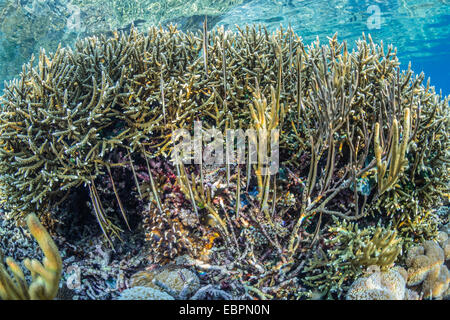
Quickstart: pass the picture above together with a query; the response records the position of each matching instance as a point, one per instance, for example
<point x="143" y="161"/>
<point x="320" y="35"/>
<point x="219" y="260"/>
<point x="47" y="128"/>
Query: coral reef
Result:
<point x="381" y="285"/>
<point x="45" y="275"/>
<point x="426" y="267"/>
<point x="347" y="251"/>
<point x="97" y="121"/>
<point x="426" y="276"/>
<point x="382" y="250"/>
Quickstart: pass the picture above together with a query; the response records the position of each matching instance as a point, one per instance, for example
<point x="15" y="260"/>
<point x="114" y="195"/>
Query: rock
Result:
<point x="144" y="293"/>
<point x="175" y="278"/>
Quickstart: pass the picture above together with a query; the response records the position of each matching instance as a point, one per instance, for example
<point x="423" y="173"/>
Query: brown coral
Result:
<point x="418" y="269"/>
<point x="426" y="267"/>
<point x="436" y="283"/>
<point x="65" y="117"/>
<point x="168" y="236"/>
<point x="381" y="285"/>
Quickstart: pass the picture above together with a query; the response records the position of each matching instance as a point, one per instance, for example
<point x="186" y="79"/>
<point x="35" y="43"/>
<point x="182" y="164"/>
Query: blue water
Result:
<point x="419" y="29"/>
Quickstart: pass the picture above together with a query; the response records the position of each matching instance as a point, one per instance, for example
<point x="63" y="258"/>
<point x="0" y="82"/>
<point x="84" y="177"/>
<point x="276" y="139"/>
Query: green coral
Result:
<point x="45" y="275"/>
<point x="397" y="154"/>
<point x="351" y="249"/>
<point x="64" y="117"/>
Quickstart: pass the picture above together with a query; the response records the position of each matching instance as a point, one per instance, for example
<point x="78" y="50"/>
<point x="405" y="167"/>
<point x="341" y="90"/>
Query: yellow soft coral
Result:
<point x="45" y="276"/>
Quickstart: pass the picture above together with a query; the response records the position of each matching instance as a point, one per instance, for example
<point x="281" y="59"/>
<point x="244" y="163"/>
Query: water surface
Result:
<point x="419" y="29"/>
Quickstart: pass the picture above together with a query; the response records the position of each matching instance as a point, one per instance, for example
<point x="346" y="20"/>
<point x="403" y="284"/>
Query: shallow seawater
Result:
<point x="419" y="29"/>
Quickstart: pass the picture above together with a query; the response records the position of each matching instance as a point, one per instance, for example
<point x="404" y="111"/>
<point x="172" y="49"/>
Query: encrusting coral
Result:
<point x="381" y="285"/>
<point x="45" y="275"/>
<point x="426" y="267"/>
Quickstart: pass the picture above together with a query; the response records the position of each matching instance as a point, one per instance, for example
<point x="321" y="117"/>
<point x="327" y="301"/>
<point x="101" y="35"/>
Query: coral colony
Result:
<point x="256" y="167"/>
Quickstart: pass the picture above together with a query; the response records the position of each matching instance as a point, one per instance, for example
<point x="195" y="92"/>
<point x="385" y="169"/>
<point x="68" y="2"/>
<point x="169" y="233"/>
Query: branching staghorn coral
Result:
<point x="45" y="275"/>
<point x="349" y="250"/>
<point x="381" y="250"/>
<point x="111" y="105"/>
<point x="169" y="237"/>
<point x="396" y="156"/>
<point x="427" y="267"/>
<point x="256" y="236"/>
<point x="416" y="193"/>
